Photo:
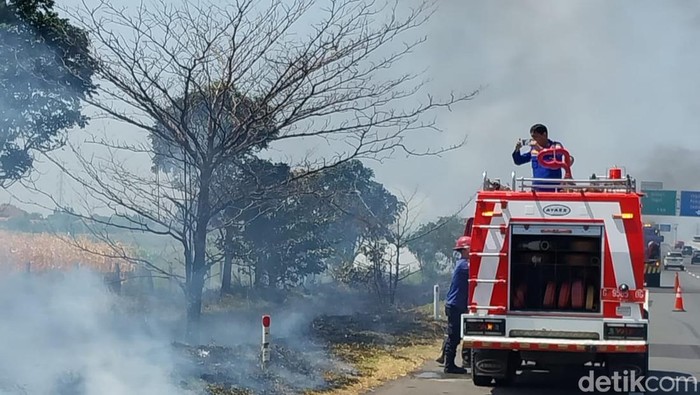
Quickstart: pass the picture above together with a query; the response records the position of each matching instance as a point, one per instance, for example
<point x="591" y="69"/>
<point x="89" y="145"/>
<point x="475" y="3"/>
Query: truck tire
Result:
<point x="467" y="359"/>
<point x="644" y="364"/>
<point x="639" y="363"/>
<point x="514" y="363"/>
<point x="481" y="381"/>
<point x="511" y="361"/>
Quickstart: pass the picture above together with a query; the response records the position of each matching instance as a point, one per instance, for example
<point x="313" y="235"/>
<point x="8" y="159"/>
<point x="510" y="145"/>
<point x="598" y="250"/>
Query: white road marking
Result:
<point x="694" y="275"/>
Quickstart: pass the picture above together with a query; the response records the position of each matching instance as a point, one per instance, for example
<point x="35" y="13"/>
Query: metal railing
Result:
<point x="597" y="184"/>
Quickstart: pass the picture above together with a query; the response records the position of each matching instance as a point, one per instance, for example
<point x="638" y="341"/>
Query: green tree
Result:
<point x="362" y="205"/>
<point x="45" y="74"/>
<point x="433" y="249"/>
<point x="258" y="194"/>
<point x="316" y="222"/>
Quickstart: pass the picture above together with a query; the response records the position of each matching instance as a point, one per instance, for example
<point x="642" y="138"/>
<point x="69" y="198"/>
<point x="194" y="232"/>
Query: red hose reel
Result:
<point x="548" y="158"/>
<point x="563" y="296"/>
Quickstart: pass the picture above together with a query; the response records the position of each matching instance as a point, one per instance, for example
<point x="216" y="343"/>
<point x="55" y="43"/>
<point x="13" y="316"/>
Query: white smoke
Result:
<point x="67" y="335"/>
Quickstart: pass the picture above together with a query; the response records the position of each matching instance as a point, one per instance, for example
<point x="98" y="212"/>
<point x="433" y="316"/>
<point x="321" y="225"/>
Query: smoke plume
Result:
<point x="67" y="334"/>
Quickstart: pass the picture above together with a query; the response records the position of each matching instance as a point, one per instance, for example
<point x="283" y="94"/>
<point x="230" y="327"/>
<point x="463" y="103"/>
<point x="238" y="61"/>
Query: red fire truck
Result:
<point x="556" y="278"/>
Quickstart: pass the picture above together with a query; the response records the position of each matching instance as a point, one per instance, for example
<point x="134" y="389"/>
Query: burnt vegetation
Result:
<point x="222" y="96"/>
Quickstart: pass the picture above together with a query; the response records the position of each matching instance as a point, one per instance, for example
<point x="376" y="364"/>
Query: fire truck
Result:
<point x="556" y="277"/>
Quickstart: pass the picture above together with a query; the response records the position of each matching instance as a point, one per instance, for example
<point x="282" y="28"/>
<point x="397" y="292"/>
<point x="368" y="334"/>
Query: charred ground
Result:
<point x="313" y="348"/>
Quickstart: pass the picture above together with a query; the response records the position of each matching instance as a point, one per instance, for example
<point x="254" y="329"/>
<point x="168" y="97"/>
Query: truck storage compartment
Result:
<point x="556" y="268"/>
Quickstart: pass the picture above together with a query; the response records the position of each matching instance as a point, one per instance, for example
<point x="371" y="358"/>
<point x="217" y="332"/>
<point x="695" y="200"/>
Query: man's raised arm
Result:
<point x="518" y="158"/>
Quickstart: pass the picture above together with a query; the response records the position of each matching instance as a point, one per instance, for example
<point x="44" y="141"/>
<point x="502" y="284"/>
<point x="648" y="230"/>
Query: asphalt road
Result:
<point x="675" y="353"/>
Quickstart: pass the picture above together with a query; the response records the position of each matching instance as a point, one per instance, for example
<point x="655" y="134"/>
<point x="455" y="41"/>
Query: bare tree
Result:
<point x="399" y="235"/>
<point x="337" y="81"/>
<point x="381" y="268"/>
<point x="384" y="269"/>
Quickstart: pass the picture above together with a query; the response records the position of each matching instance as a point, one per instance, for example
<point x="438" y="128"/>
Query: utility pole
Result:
<point x="675" y="234"/>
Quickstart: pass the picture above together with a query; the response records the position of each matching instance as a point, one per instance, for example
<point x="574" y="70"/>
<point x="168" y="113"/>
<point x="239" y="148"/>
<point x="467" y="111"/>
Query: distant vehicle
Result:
<point x="696" y="258"/>
<point x="687" y="251"/>
<point x="674" y="259"/>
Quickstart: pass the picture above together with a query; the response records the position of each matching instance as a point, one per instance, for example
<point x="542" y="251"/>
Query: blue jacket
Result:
<point x="458" y="293"/>
<point x="538" y="171"/>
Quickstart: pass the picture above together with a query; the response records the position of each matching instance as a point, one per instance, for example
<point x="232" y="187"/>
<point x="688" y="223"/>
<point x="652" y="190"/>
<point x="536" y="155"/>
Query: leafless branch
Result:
<point x="211" y="83"/>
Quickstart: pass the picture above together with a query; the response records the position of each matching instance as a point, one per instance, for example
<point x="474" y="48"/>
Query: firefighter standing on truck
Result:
<point x="456" y="305"/>
<point x="540" y="141"/>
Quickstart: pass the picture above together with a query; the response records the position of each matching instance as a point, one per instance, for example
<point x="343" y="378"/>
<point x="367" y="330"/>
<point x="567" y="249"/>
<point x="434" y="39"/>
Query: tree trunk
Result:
<point x="228" y="262"/>
<point x="195" y="289"/>
<point x="258" y="276"/>
<point x="195" y="286"/>
<point x="395" y="281"/>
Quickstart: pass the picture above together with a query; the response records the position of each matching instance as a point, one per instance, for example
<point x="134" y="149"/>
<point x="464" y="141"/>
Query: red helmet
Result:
<point x="463" y="242"/>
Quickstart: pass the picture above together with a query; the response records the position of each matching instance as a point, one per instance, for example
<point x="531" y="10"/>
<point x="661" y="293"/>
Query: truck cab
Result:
<point x="556" y="278"/>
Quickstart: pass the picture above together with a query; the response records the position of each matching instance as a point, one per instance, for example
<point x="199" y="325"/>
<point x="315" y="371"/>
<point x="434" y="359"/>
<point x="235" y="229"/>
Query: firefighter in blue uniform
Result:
<point x="456" y="305"/>
<point x="540" y="141"/>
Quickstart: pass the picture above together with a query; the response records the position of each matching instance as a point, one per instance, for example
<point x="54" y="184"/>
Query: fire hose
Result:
<point x="569" y="295"/>
<point x="548" y="158"/>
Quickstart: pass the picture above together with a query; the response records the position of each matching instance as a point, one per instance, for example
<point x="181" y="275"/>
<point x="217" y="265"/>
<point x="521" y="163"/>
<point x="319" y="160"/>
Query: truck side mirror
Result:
<point x="468" y="227"/>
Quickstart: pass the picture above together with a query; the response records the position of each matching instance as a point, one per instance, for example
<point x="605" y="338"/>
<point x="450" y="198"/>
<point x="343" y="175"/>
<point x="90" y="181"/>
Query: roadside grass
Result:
<point x="377" y="366"/>
<point x="381" y="353"/>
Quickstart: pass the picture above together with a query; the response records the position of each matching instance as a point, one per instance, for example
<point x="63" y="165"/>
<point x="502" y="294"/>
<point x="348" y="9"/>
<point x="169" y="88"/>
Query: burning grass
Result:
<point x="237" y="370"/>
<point x="341" y="354"/>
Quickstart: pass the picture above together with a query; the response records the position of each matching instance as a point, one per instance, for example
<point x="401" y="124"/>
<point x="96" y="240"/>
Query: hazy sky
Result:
<point x="615" y="82"/>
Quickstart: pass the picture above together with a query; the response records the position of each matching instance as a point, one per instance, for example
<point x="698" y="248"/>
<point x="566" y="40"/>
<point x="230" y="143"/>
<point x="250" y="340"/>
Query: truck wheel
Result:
<point x="467" y="359"/>
<point x="645" y="364"/>
<point x="639" y="363"/>
<point x="514" y="363"/>
<point x="479" y="380"/>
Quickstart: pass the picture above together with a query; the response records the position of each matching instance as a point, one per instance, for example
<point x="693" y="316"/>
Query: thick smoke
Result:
<point x="66" y="334"/>
<point x="613" y="80"/>
<point x="676" y="166"/>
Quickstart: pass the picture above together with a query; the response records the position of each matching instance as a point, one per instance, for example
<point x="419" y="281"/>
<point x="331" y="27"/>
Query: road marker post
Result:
<point x="436" y="302"/>
<point x="265" y="350"/>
